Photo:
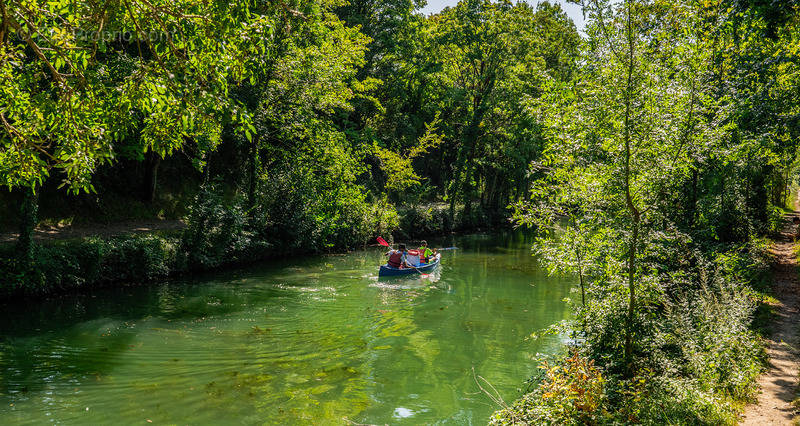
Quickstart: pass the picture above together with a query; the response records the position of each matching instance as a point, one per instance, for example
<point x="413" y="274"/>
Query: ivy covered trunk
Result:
<point x="251" y="173"/>
<point x="28" y="219"/>
<point x="152" y="162"/>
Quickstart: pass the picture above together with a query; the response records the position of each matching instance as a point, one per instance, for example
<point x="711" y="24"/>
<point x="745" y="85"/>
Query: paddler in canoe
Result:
<point x="402" y="258"/>
<point x="425" y="253"/>
<point x="404" y="262"/>
<point x="397" y="258"/>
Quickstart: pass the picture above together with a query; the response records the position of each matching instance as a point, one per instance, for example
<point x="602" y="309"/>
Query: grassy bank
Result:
<point x="698" y="361"/>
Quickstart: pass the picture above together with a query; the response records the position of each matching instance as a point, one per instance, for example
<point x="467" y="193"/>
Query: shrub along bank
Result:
<point x="697" y="364"/>
<point x="221" y="232"/>
<point x="425" y="220"/>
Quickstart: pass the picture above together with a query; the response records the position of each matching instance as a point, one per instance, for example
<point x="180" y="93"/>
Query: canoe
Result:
<point x="388" y="271"/>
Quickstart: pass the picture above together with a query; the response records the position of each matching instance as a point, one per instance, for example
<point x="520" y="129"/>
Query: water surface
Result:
<point x="317" y="339"/>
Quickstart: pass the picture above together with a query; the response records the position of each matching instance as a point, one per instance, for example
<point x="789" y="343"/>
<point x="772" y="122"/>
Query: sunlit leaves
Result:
<point x="399" y="170"/>
<point x="83" y="73"/>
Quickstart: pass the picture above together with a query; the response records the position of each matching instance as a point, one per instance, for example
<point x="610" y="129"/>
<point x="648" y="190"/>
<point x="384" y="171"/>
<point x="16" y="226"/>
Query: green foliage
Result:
<point x="490" y="65"/>
<point x="698" y="364"/>
<point x="268" y="87"/>
<point x="71" y="95"/>
<point x="648" y="155"/>
<point x="400" y="175"/>
<point x="220" y="232"/>
<point x="370" y="85"/>
<point x="217" y="231"/>
<point x="656" y="179"/>
<point x="138" y="259"/>
<point x="323" y="214"/>
<point x="774" y="220"/>
<point x="425" y="219"/>
<point x="312" y="202"/>
<point x="75" y="264"/>
<point x="382" y="217"/>
<point x="571" y="393"/>
<point x="472" y="67"/>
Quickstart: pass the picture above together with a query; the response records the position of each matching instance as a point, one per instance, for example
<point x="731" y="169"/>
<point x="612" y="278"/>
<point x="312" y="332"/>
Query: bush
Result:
<point x="698" y="356"/>
<point x="138" y="258"/>
<point x="217" y="231"/>
<point x="66" y="265"/>
<point x="309" y="212"/>
<point x="572" y="392"/>
<point x="775" y="219"/>
<point x="424" y="220"/>
<point x="382" y="217"/>
<point x="321" y="214"/>
<point x="434" y="218"/>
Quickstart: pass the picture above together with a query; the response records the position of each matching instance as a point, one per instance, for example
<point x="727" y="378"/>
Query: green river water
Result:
<point x="317" y="340"/>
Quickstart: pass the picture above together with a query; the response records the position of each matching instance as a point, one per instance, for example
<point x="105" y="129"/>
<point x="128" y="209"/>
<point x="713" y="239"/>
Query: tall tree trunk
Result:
<point x="462" y="179"/>
<point x="579" y="257"/>
<point x="691" y="208"/>
<point x="467" y="188"/>
<point x="633" y="211"/>
<point x="152" y="162"/>
<point x="786" y="187"/>
<point x="251" y="173"/>
<point x="28" y="220"/>
<point x="580" y="275"/>
<point x="483" y="189"/>
<point x="452" y="210"/>
<point x="207" y="169"/>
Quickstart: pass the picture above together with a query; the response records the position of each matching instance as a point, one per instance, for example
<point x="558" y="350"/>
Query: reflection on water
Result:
<point x="319" y="339"/>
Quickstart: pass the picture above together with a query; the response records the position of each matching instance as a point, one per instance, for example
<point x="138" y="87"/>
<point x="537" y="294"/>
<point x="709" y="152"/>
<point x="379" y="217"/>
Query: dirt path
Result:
<point x="779" y="384"/>
<point x="45" y="233"/>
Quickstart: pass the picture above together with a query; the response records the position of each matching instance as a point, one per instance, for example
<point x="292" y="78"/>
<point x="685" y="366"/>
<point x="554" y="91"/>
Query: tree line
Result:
<point x="312" y="117"/>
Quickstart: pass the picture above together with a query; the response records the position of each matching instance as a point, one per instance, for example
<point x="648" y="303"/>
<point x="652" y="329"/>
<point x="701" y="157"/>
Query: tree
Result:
<point x="78" y="78"/>
<point x="306" y="181"/>
<point x="491" y="58"/>
<point x="617" y="139"/>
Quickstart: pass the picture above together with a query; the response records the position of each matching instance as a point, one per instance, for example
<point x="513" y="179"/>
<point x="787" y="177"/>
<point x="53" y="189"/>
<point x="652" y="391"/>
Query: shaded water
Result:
<point x="318" y="339"/>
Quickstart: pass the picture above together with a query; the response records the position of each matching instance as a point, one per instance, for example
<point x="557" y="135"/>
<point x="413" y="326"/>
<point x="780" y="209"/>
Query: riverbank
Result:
<point x="56" y="232"/>
<point x="701" y="360"/>
<point x="133" y="252"/>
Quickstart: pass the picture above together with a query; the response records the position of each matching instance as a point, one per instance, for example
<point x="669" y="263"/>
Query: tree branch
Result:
<point x="38" y="51"/>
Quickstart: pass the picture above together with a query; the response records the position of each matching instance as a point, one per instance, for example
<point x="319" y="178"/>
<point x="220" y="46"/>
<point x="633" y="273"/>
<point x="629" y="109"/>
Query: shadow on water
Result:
<point x="78" y="337"/>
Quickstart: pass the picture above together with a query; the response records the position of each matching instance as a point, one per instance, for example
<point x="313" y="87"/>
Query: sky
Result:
<point x="573" y="10"/>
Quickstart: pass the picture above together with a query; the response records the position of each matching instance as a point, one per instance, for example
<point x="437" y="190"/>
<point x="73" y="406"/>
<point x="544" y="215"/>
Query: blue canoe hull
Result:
<point x="388" y="271"/>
